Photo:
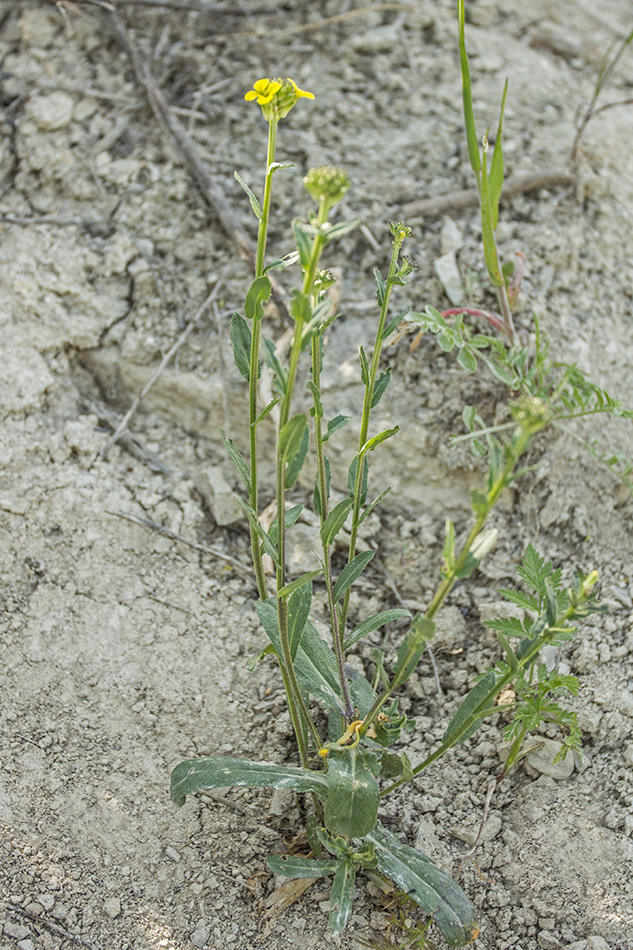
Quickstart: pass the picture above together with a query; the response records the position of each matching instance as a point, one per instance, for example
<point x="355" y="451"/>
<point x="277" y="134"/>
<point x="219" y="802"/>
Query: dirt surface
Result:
<point x="123" y="650"/>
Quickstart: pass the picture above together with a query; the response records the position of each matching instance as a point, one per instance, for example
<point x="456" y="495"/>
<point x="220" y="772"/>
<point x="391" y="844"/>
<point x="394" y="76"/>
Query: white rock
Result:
<point x="218" y="496"/>
<point x="451" y="238"/>
<point x="448" y="273"/>
<point x="200" y="935"/>
<point x="542" y="759"/>
<point x="51" y="112"/>
<point x="112" y="907"/>
<point x="596" y="942"/>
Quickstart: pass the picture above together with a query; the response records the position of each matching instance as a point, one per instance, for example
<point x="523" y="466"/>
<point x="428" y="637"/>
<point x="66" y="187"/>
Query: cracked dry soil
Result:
<point x="124" y="650"/>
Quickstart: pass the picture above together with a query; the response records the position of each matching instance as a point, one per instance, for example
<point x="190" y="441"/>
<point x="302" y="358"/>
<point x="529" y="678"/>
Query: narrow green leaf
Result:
<point x="335" y="231"/>
<point x="351" y="478"/>
<point x="496" y="166"/>
<point x="267" y="546"/>
<point x="351" y="806"/>
<point x="291" y="516"/>
<point x="342" y="895"/>
<point x="350" y="572"/>
<point x="368" y="510"/>
<point x="374" y="623"/>
<point x="241" y="339"/>
<point x="297" y="866"/>
<point x="291" y="435"/>
<point x="298" y="582"/>
<point x="381" y="287"/>
<point x="300" y="307"/>
<point x="255" y="205"/>
<point x="273" y="361"/>
<point x="282" y="262"/>
<point x="257" y="295"/>
<point x="316" y="397"/>
<point x="487" y="229"/>
<point x="448" y="553"/>
<point x="269" y="408"/>
<point x="237" y="458"/>
<point x="335" y="521"/>
<point x="412" y="648"/>
<point x="218" y="771"/>
<point x="299" y="603"/>
<point x="473" y="710"/>
<point x="364" y="366"/>
<point x="376" y="440"/>
<point x="479" y="502"/>
<point x="393" y="324"/>
<point x="295" y="463"/>
<point x="252" y="661"/>
<point x="467" y="96"/>
<point x="381" y="385"/>
<point x="436" y="893"/>
<point x="509" y="652"/>
<point x="303" y="242"/>
<point x="334" y="425"/>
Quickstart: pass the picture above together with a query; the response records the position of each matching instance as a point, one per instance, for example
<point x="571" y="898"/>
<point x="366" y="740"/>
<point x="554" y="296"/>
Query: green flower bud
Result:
<point x="327" y="182"/>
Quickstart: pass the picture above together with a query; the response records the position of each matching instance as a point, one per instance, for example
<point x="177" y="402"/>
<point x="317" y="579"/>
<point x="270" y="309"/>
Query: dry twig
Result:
<point x="469" y="197"/>
<point x="53" y="927"/>
<point x="203" y="548"/>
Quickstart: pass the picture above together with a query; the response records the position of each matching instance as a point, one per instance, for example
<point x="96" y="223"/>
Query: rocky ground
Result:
<point x="123" y="649"/>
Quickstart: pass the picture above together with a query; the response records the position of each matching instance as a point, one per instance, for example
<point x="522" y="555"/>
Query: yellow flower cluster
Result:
<point x="276" y="97"/>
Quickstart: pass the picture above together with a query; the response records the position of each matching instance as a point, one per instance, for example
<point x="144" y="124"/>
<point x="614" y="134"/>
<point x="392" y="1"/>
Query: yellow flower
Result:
<point x="263" y="91"/>
<point x="276" y="97"/>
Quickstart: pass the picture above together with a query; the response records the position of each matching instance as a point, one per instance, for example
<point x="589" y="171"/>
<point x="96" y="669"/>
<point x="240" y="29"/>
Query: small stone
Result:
<point x="548" y="941"/>
<point x="47" y="901"/>
<point x="628" y="754"/>
<point x="51" y="112"/>
<point x="542" y="759"/>
<point x="34" y="909"/>
<point x="17" y="931"/>
<point x="172" y="853"/>
<point x="451" y="238"/>
<point x="625" y="703"/>
<point x="281" y="802"/>
<point x="218" y="496"/>
<point x="596" y="942"/>
<point x="112" y="907"/>
<point x="448" y="273"/>
<point x="200" y="935"/>
<point x="589" y="720"/>
<point x="26" y="944"/>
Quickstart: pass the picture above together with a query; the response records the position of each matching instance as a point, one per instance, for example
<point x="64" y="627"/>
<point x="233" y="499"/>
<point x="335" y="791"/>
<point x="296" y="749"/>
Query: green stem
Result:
<point x="364" y="425"/>
<point x="258" y="565"/>
<point x="506" y="313"/>
<point x="294" y="695"/>
<point x="327" y="554"/>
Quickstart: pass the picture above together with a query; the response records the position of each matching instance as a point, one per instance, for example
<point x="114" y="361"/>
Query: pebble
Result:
<point x="596" y="942"/>
<point x="218" y="496"/>
<point x="451" y="238"/>
<point x="51" y="112"/>
<point x="448" y="274"/>
<point x="542" y="759"/>
<point x="112" y="907"/>
<point x="200" y="935"/>
<point x="17" y="931"/>
<point x="46" y="900"/>
<point x="172" y="853"/>
<point x="26" y="944"/>
<point x="548" y="941"/>
<point x="628" y="754"/>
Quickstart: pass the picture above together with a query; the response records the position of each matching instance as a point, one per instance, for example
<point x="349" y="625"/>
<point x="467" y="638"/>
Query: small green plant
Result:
<point x="347" y="772"/>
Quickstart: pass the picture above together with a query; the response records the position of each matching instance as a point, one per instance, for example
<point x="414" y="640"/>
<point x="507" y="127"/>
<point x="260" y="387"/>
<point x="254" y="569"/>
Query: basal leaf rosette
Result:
<point x="276" y="97"/>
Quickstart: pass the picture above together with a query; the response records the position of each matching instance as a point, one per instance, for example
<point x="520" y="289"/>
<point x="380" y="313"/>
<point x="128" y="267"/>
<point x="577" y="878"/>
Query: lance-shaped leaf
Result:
<point x="374" y="623"/>
<point x="255" y="205"/>
<point x="474" y="708"/>
<point x="238" y="459"/>
<point x="295" y="462"/>
<point x="240" y="334"/>
<point x="376" y="440"/>
<point x="487" y="227"/>
<point x="335" y="521"/>
<point x="430" y="887"/>
<point x="350" y="572"/>
<point x="467" y="96"/>
<point x="257" y="295"/>
<point x="342" y="895"/>
<point x="496" y="166"/>
<point x="413" y="646"/>
<point x="299" y="604"/>
<point x="351" y="806"/>
<point x="219" y="771"/>
<point x="334" y="424"/>
<point x="297" y="866"/>
<point x="315" y="664"/>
